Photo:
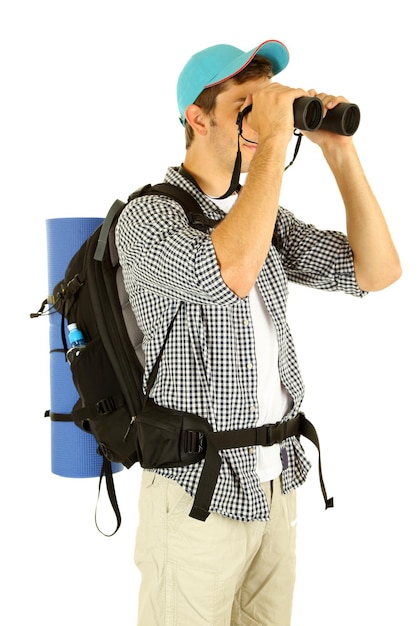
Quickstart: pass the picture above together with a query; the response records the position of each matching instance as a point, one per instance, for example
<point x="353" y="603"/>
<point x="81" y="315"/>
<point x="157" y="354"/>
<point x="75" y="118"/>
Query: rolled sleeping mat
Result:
<point x="73" y="451"/>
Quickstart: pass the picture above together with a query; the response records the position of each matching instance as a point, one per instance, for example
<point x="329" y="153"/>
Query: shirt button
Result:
<point x="246" y="322"/>
<point x="249" y="365"/>
<point x="251" y="450"/>
<point x="252" y="408"/>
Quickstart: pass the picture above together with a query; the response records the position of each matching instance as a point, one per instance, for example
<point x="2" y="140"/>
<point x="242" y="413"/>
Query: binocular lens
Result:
<point x="343" y="119"/>
<point x="307" y="113"/>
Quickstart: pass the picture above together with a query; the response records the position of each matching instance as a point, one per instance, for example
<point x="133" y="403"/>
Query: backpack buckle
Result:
<point x="107" y="405"/>
<point x="193" y="441"/>
<point x="270" y="434"/>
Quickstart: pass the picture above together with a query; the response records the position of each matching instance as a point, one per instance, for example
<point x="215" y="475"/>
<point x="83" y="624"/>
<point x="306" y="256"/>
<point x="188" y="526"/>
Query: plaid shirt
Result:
<point x="208" y="365"/>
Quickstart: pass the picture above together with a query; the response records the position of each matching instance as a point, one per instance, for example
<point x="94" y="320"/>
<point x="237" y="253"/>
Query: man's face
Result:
<point x="224" y="130"/>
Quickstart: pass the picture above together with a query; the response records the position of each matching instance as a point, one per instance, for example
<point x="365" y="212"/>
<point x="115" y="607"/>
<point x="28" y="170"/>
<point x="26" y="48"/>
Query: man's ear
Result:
<point x="196" y="119"/>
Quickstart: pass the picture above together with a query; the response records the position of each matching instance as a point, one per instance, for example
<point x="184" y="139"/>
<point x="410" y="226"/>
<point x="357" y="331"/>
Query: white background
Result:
<point x="88" y="113"/>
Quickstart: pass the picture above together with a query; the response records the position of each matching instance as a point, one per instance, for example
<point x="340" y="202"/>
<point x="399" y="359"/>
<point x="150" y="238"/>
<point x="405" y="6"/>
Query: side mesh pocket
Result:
<point x="93" y="374"/>
<point x="102" y="410"/>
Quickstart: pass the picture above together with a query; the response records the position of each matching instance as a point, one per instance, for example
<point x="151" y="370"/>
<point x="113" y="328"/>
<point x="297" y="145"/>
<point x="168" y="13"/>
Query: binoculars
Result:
<point x="343" y="119"/>
<point x="308" y="113"/>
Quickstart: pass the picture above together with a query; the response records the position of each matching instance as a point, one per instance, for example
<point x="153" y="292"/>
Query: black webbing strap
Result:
<point x="58" y="417"/>
<point x="106" y="471"/>
<point x="307" y="429"/>
<point x="195" y="215"/>
<point x="263" y="435"/>
<point x="102" y="407"/>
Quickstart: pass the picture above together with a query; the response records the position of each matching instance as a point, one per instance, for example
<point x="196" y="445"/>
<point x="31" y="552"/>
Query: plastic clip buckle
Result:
<point x="271" y="434"/>
<point x="193" y="441"/>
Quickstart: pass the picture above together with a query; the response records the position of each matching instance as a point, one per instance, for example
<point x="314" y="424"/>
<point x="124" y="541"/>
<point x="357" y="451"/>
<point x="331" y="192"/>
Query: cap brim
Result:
<point x="275" y="51"/>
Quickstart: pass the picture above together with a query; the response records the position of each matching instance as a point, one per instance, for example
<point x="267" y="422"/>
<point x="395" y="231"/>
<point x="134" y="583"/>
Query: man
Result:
<point x="230" y="357"/>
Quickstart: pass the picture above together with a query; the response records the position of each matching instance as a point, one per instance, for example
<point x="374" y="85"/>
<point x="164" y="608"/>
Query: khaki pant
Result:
<point x="220" y="572"/>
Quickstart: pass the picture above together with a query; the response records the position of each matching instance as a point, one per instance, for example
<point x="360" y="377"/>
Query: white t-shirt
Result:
<point x="273" y="398"/>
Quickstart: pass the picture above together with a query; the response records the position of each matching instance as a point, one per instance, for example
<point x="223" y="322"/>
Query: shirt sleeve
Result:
<point x="160" y="252"/>
<point x="322" y="259"/>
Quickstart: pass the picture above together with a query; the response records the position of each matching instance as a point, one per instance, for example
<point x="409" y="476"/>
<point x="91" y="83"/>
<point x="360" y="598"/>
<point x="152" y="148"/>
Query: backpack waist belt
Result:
<point x="267" y="435"/>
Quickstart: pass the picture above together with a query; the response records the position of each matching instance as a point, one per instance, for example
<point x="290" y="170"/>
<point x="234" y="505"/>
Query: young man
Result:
<point x="230" y="356"/>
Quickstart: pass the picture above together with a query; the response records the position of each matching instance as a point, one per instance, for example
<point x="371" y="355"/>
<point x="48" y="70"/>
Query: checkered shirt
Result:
<point x="209" y="363"/>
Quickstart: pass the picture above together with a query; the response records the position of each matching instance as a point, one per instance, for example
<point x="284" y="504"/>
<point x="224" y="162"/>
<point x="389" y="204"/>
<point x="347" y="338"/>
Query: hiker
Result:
<point x="230" y="356"/>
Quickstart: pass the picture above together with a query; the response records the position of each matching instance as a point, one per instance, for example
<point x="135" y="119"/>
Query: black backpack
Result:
<point x="127" y="425"/>
<point x="109" y="376"/>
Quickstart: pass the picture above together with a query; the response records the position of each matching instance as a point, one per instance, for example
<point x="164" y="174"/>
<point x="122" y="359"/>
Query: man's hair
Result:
<point x="259" y="67"/>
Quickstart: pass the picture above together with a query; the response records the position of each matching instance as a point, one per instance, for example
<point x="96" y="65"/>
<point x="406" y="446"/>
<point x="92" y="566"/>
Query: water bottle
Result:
<point x="77" y="342"/>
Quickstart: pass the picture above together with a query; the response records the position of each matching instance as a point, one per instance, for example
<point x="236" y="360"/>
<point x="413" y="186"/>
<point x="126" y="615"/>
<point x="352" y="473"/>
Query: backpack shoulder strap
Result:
<point x="192" y="209"/>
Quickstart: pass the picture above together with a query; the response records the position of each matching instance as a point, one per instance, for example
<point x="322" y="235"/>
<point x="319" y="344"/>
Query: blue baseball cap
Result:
<point x="219" y="63"/>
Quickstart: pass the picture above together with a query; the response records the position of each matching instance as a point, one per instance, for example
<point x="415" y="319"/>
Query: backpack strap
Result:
<point x="265" y="435"/>
<point x="58" y="417"/>
<point x="194" y="212"/>
<point x="106" y="472"/>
